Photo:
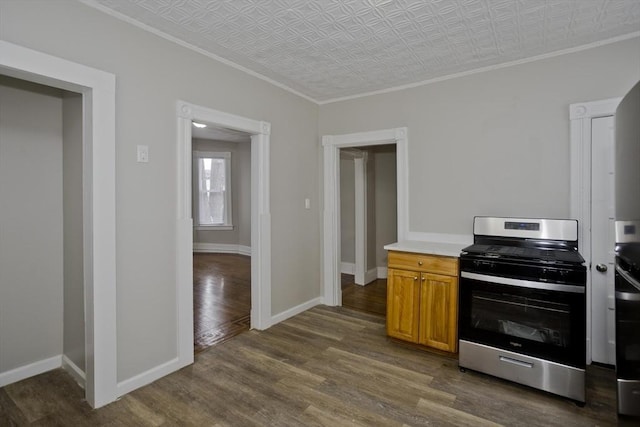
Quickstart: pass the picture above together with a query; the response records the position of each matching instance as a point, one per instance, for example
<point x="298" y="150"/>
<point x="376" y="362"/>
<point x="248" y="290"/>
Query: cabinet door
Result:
<point x="403" y="302"/>
<point x="439" y="312"/>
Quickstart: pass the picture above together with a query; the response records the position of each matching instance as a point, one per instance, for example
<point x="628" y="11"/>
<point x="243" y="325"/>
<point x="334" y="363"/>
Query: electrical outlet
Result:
<point x="143" y="154"/>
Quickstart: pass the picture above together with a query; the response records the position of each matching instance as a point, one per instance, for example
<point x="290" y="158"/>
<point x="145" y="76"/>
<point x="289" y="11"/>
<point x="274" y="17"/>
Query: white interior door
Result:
<point x="602" y="241"/>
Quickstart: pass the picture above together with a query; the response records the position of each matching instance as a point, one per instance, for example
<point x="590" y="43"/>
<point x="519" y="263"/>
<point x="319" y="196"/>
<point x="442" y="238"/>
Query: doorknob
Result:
<point x="601" y="268"/>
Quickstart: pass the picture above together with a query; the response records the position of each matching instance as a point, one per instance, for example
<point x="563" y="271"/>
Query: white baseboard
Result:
<point x="295" y="310"/>
<point x="370" y="275"/>
<point x="347" y="268"/>
<point x="153" y="374"/>
<point x="457" y="239"/>
<point x="30" y="370"/>
<point x="221" y="248"/>
<point x="73" y="370"/>
<point x="376" y="273"/>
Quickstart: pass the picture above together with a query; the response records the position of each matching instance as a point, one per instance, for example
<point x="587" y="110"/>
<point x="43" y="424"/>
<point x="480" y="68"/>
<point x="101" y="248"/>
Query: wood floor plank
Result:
<point x="221" y="297"/>
<point x="297" y="373"/>
<point x="332" y="404"/>
<point x="263" y="364"/>
<point x="336" y="319"/>
<point x="374" y="386"/>
<point x="445" y="415"/>
<point x="371" y="298"/>
<point x="311" y="328"/>
<point x="387" y="369"/>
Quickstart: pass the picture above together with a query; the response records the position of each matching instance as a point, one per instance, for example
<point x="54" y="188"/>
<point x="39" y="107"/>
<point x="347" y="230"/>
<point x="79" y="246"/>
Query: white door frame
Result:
<point x="581" y="115"/>
<point x="260" y="220"/>
<point x="359" y="158"/>
<point x="99" y="226"/>
<point x="332" y="144"/>
<point x="360" y="175"/>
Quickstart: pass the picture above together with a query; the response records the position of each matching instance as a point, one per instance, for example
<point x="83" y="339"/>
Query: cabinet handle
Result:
<point x="424" y="278"/>
<point x="419" y="262"/>
<point x="415" y="277"/>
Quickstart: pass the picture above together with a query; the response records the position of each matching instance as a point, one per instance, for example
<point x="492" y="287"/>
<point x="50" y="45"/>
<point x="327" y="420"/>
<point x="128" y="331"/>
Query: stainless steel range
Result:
<point x="522" y="314"/>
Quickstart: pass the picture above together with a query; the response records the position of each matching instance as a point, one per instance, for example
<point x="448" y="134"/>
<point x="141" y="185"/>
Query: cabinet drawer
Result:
<point x="421" y="262"/>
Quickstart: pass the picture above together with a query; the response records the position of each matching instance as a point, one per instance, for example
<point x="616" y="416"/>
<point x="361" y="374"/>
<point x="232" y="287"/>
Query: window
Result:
<point x="212" y="190"/>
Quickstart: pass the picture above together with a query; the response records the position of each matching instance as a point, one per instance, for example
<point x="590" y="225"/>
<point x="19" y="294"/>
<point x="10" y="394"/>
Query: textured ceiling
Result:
<point x="329" y="49"/>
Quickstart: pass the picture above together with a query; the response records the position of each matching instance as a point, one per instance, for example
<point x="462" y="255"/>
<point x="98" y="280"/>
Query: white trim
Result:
<point x="280" y="317"/>
<point x="360" y="191"/>
<point x="149" y="376"/>
<point x="487" y="68"/>
<point x="99" y="227"/>
<point x="213" y="227"/>
<point x="30" y="370"/>
<point x="260" y="219"/>
<point x="581" y="115"/>
<point x="331" y="216"/>
<point x="73" y="370"/>
<point x="370" y="275"/>
<point x="348" y="268"/>
<point x="455" y="239"/>
<point x="221" y="248"/>
<point x="128" y="19"/>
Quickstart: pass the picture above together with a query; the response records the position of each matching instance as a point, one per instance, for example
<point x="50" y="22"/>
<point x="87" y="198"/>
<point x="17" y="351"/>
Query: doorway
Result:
<point x="260" y="219"/>
<point x="332" y="246"/>
<point x="592" y="204"/>
<point x="368" y="200"/>
<point x="98" y="206"/>
<point x="221" y="206"/>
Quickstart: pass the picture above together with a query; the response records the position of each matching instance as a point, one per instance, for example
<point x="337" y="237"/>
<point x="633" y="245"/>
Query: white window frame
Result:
<point x="228" y="217"/>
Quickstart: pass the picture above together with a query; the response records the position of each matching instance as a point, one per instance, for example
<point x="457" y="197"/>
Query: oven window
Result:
<point x="522" y="317"/>
<point x="628" y="339"/>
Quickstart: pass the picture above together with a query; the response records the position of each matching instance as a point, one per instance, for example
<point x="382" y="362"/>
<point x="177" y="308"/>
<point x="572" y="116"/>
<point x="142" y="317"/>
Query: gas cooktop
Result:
<point x="523" y="253"/>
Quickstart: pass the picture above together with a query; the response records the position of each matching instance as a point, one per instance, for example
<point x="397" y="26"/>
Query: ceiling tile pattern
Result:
<point x="327" y="49"/>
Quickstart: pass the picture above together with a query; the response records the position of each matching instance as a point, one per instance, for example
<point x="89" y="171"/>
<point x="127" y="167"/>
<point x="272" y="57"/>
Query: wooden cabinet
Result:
<point x="422" y="299"/>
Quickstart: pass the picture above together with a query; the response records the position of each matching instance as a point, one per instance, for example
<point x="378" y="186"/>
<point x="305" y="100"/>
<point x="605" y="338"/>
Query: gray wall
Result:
<point x="151" y="75"/>
<point x="31" y="234"/>
<point x="74" y="343"/>
<point x="240" y="192"/>
<point x="492" y="143"/>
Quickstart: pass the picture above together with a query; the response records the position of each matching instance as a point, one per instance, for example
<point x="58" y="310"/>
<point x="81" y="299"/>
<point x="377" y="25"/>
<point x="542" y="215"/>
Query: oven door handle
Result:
<point x="515" y="362"/>
<point x="627" y="296"/>
<point x="523" y="283"/>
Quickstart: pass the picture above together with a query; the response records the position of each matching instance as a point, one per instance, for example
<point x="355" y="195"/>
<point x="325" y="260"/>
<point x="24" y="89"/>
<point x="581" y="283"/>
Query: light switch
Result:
<point x="143" y="154"/>
<point x="307" y="204"/>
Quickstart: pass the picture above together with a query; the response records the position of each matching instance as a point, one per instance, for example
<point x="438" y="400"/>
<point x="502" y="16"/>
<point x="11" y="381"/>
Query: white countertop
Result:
<point x="431" y="248"/>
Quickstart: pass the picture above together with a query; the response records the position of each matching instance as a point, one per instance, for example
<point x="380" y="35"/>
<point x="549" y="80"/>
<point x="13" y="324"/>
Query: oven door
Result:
<point x="536" y="319"/>
<point x="627" y="325"/>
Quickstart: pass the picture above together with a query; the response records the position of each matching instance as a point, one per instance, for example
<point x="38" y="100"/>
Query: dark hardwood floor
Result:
<point x="324" y="367"/>
<point x="221" y="297"/>
<point x="371" y="298"/>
